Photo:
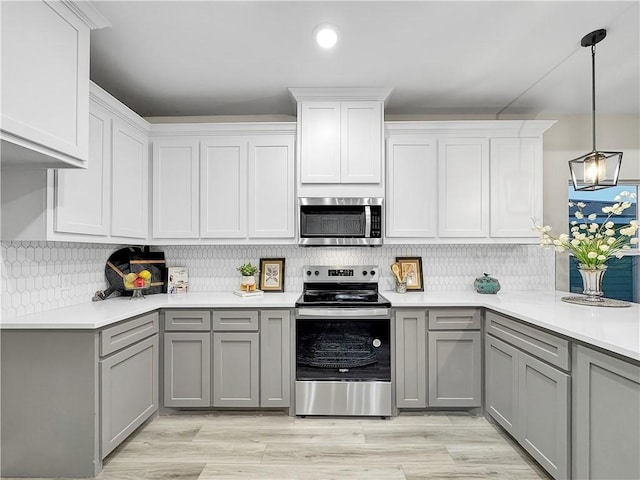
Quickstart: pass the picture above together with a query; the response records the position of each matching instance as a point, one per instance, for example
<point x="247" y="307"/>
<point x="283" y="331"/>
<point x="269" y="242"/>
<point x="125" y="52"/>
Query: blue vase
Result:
<point x="487" y="284"/>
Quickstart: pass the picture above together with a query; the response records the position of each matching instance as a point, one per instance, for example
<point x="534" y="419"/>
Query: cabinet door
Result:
<point x="275" y="358"/>
<point x="235" y="369"/>
<point x="130" y="182"/>
<point x="319" y="142"/>
<point x="45" y="79"/>
<point x="129" y="391"/>
<point x="411" y="360"/>
<point x="455" y="369"/>
<point x="271" y="187"/>
<point x="606" y="396"/>
<point x="411" y="187"/>
<point x="82" y="195"/>
<point x="543" y="424"/>
<point x="516" y="186"/>
<point x="187" y="369"/>
<point x="501" y="383"/>
<point x="223" y="188"/>
<point x="463" y="172"/>
<point x="176" y="198"/>
<point x="361" y="142"/>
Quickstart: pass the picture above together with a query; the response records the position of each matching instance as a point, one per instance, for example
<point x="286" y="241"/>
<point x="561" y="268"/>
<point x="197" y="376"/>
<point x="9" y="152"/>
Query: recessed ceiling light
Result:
<point x="326" y="35"/>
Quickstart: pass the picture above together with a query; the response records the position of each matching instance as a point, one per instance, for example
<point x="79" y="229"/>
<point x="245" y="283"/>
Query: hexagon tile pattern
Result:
<point x="39" y="276"/>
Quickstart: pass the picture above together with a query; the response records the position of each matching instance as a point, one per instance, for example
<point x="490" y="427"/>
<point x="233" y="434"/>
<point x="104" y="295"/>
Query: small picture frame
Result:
<point x="411" y="269"/>
<point x="272" y="274"/>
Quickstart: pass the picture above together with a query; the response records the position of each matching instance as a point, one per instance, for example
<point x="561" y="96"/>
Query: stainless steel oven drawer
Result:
<point x="343" y="398"/>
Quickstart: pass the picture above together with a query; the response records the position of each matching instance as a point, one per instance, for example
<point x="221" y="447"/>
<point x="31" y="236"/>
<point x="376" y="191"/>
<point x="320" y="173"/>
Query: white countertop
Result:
<point x="613" y="329"/>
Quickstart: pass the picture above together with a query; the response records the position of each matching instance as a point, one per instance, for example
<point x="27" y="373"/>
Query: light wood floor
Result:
<point x="271" y="445"/>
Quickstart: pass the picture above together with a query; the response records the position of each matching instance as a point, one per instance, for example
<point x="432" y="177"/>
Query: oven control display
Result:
<point x="341" y="272"/>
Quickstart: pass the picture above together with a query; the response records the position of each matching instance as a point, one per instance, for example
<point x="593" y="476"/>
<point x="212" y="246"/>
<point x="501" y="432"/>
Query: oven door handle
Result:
<point x="343" y="312"/>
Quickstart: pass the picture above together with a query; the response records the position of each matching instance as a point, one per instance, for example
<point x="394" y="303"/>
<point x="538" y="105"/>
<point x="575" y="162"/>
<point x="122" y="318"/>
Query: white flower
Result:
<point x="601" y="257"/>
<point x="575" y="242"/>
<point x="583" y="226"/>
<point x="604" y="248"/>
<point x="633" y="241"/>
<point x="592" y="216"/>
<point x="563" y="237"/>
<point x="609" y="225"/>
<point x="573" y="222"/>
<point x="592" y="255"/>
<point x="606" y="209"/>
<point x="570" y="204"/>
<point x="609" y="233"/>
<point x="582" y="204"/>
<point x="593" y="228"/>
<point x="634" y="223"/>
<point x="611" y="240"/>
<point x="579" y="215"/>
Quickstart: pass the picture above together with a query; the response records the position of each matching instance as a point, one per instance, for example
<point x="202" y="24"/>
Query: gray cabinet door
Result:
<point x="275" y="361"/>
<point x="411" y="360"/>
<point x="606" y="416"/>
<point x="129" y="391"/>
<point x="187" y="369"/>
<point x="501" y="383"/>
<point x="543" y="414"/>
<point x="455" y="369"/>
<point x="235" y="369"/>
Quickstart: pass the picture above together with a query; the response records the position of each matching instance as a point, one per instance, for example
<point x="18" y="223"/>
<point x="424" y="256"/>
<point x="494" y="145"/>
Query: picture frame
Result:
<point x="411" y="269"/>
<point x="272" y="274"/>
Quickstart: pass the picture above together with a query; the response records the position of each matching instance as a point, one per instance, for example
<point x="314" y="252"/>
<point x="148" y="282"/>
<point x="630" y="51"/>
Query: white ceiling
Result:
<point x="449" y="57"/>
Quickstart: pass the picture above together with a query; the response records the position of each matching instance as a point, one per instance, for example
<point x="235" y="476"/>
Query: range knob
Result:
<point x="316" y="273"/>
<point x="364" y="272"/>
<point x="308" y="272"/>
<point x="373" y="272"/>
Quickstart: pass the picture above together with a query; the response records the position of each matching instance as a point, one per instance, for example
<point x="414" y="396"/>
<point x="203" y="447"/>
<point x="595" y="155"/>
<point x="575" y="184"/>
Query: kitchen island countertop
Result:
<point x="613" y="329"/>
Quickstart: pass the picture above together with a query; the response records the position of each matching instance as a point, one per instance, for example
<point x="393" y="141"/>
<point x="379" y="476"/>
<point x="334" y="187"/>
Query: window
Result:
<point x="622" y="280"/>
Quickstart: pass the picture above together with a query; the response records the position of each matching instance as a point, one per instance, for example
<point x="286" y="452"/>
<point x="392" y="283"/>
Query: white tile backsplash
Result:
<point x="39" y="276"/>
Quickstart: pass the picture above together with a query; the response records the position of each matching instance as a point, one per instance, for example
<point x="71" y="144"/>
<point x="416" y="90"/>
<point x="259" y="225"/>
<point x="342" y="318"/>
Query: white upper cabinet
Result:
<point x="361" y="142"/>
<point x="176" y="199"/>
<point x="320" y="135"/>
<point x="516" y="186"/>
<point x="45" y="82"/>
<point x="106" y="202"/>
<point x="464" y="182"/>
<point x="412" y="176"/>
<point x="463" y="174"/>
<point x="81" y="196"/>
<point x="223" y="185"/>
<point x="340" y="141"/>
<point x="129" y="182"/>
<point x="271" y="187"/>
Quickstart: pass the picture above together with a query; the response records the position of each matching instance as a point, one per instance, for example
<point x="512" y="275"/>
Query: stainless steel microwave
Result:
<point x="340" y="221"/>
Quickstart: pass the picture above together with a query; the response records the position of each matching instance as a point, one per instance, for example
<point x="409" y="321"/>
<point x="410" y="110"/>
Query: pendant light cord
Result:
<point x="593" y="94"/>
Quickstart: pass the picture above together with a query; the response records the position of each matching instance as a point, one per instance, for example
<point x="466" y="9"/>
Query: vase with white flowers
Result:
<point x="593" y="240"/>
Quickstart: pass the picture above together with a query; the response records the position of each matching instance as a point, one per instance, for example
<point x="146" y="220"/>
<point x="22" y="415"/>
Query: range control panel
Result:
<point x="342" y="274"/>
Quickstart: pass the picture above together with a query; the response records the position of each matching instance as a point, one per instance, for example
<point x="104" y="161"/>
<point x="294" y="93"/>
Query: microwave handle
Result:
<point x="367" y="221"/>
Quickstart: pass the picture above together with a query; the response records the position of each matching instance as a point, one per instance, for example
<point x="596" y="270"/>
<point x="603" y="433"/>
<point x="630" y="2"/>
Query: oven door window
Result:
<point x="350" y="350"/>
<point x="332" y="221"/>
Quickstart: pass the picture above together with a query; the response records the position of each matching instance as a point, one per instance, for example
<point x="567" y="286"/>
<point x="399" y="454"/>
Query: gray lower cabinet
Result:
<point x="129" y="393"/>
<point x="275" y="358"/>
<point x="455" y="368"/>
<point x="236" y="369"/>
<point x="411" y="360"/>
<point x="187" y="371"/>
<point x="606" y="416"/>
<point x="501" y="383"/>
<point x="529" y="398"/>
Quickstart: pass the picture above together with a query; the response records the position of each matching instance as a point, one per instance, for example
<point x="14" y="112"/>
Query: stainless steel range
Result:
<point x="343" y="343"/>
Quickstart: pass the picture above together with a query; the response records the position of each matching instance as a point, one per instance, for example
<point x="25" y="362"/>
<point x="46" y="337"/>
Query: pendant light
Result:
<point x="597" y="169"/>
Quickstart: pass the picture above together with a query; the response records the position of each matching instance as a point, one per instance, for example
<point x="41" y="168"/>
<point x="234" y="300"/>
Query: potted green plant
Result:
<point x="248" y="282"/>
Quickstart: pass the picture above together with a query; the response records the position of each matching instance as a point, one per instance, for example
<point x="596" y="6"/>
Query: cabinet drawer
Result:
<point x="234" y="320"/>
<point x="124" y="334"/>
<point x="454" y="319"/>
<point x="182" y="320"/>
<point x="541" y="344"/>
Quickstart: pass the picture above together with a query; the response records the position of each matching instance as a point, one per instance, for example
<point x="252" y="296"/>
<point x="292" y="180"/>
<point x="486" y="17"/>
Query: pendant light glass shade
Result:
<point x="597" y="169"/>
